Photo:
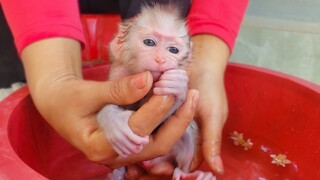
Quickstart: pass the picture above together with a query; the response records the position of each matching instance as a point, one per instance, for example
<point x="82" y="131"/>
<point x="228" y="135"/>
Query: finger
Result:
<point x="121" y="150"/>
<point x="121" y="92"/>
<point x="167" y="83"/>
<point x="135" y="139"/>
<point x="198" y="156"/>
<point x="124" y="145"/>
<point x="143" y="122"/>
<point x="131" y="146"/>
<point x="176" y="125"/>
<point x="171" y="84"/>
<point x="179" y="75"/>
<point x="176" y="71"/>
<point x="162" y="90"/>
<point x="149" y="116"/>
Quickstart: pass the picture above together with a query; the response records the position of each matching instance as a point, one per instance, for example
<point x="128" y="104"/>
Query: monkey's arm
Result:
<point x="115" y="123"/>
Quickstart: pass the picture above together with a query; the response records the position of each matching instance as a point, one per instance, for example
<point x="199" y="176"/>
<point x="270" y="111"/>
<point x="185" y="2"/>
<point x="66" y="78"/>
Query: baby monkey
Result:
<point x="155" y="40"/>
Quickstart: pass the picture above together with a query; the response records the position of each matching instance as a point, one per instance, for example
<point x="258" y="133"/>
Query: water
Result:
<point x="254" y="163"/>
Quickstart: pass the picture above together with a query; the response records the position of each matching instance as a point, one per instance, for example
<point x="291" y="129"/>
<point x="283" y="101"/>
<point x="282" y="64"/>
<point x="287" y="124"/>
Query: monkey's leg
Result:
<point x="117" y="174"/>
<point x="150" y="163"/>
<point x="184" y="151"/>
<point x="114" y="122"/>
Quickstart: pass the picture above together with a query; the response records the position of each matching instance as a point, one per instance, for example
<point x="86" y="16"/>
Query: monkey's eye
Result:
<point x="149" y="42"/>
<point x="173" y="50"/>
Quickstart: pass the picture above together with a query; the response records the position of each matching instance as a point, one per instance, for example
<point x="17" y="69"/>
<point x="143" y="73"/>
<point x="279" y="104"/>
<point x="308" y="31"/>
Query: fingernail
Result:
<point x="195" y="99"/>
<point x="140" y="80"/>
<point x="217" y="162"/>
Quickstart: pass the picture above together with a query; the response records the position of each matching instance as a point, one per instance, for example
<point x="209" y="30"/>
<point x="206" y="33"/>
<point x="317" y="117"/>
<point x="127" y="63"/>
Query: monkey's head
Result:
<point x="157" y="39"/>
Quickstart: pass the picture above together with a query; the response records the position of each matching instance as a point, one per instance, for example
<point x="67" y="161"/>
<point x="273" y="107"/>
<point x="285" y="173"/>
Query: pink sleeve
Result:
<point x="33" y="20"/>
<point x="218" y="17"/>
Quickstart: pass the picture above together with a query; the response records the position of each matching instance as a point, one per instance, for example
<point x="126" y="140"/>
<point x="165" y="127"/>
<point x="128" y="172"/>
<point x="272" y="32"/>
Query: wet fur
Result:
<point x="129" y="57"/>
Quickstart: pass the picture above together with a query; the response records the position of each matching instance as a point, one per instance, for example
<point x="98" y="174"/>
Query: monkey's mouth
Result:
<point x="156" y="75"/>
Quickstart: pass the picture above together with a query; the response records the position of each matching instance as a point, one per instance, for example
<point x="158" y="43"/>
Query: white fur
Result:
<point x="129" y="55"/>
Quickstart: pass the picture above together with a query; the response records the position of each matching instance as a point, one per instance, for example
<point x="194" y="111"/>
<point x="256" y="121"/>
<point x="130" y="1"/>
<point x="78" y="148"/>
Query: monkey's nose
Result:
<point x="159" y="60"/>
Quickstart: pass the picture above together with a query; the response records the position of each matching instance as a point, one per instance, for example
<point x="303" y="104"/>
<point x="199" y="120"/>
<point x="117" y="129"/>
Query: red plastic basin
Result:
<point x="279" y="113"/>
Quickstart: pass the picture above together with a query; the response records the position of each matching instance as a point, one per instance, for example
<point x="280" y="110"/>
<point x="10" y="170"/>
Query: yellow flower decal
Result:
<point x="280" y="160"/>
<point x="239" y="140"/>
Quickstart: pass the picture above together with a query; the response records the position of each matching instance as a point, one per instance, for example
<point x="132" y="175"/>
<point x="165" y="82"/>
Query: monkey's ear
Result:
<point x="114" y="49"/>
<point x="117" y="42"/>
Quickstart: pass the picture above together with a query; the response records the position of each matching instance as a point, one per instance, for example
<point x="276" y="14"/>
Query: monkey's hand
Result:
<point x="114" y="122"/>
<point x="173" y="82"/>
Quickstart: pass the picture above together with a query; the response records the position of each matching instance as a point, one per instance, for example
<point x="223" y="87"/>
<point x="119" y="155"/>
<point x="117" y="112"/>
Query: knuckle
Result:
<point x="115" y="91"/>
<point x="93" y="158"/>
<point x="95" y="153"/>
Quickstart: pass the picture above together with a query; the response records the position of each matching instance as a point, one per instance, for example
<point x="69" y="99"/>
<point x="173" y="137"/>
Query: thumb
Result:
<point x="122" y="91"/>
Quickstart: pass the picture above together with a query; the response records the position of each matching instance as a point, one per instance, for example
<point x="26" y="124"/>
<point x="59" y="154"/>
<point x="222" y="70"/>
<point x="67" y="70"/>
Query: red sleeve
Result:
<point x="218" y="17"/>
<point x="32" y="20"/>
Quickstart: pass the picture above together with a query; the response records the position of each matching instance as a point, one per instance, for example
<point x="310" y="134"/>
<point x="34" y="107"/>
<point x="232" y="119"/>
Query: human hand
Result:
<point x="210" y="55"/>
<point x="70" y="104"/>
<point x="114" y="120"/>
<point x="174" y="126"/>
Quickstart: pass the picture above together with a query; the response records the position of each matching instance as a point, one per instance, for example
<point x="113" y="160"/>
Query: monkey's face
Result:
<point x="157" y="53"/>
<point x="156" y="40"/>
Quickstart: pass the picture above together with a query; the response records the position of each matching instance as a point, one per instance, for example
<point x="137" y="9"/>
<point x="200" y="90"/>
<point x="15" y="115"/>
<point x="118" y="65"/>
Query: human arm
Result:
<point x="62" y="98"/>
<point x="209" y="67"/>
<point x="214" y="25"/>
<point x="51" y="57"/>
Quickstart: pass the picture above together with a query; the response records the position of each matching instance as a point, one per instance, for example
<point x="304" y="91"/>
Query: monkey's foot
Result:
<point x="178" y="174"/>
<point x="117" y="174"/>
